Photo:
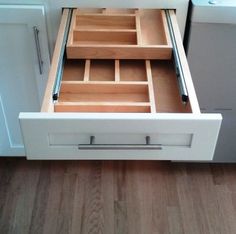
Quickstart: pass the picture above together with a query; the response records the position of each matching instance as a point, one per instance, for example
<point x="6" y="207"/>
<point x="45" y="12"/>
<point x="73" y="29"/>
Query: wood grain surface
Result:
<point x="116" y="197"/>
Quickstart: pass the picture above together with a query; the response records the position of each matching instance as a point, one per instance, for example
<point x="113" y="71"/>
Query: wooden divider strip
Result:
<point x="103" y="103"/>
<point x="95" y="82"/>
<point x="150" y="86"/>
<point x="90" y="14"/>
<point x="166" y="29"/>
<point x="99" y="51"/>
<point x="103" y="88"/>
<point x="87" y="70"/>
<point x="70" y="39"/>
<point x="138" y="27"/>
<point x="102" y="107"/>
<point x="78" y="30"/>
<point x="117" y="70"/>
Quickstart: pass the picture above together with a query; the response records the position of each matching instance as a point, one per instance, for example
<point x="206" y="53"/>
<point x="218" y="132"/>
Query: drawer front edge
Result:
<point x="180" y="136"/>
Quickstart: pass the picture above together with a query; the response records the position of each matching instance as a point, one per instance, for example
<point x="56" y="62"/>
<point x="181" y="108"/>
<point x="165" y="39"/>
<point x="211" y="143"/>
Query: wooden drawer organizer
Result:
<point x="114" y="33"/>
<point x="138" y="86"/>
<point x="105" y="88"/>
<point x="108" y="67"/>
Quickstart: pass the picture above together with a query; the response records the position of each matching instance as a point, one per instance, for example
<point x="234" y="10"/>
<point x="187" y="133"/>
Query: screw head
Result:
<point x="212" y="2"/>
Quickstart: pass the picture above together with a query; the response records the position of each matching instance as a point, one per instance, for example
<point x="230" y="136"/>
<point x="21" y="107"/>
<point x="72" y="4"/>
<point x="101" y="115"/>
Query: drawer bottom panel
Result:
<point x="120" y="136"/>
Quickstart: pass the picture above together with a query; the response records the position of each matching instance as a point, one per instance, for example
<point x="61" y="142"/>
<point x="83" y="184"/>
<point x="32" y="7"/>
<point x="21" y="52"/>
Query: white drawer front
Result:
<point x="120" y="136"/>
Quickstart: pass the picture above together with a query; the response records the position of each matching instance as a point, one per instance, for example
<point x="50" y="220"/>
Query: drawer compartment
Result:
<point x="97" y="97"/>
<point x="102" y="21"/>
<point x="112" y="107"/>
<point x="142" y="34"/>
<point x="106" y="38"/>
<point x="139" y="86"/>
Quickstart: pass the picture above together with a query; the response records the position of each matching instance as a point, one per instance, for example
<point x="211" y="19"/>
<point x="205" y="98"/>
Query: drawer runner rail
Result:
<point x="178" y="66"/>
<point x="57" y="85"/>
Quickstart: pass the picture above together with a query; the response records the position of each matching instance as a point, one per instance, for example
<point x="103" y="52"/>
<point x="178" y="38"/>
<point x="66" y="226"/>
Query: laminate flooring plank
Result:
<point x="120" y="217"/>
<point x="202" y="190"/>
<point x="16" y="213"/>
<point x="217" y="172"/>
<point x="233" y="196"/>
<point x="83" y="170"/>
<point x="92" y="220"/>
<point x="145" y="196"/>
<point x="29" y="172"/>
<point x="7" y="171"/>
<point x="120" y="180"/>
<point x="57" y="173"/>
<point x="227" y="215"/>
<point x="120" y="194"/>
<point x="186" y="201"/>
<point x="65" y="213"/>
<point x="174" y="220"/>
<point x="40" y="201"/>
<point x="159" y="199"/>
<point x="169" y="174"/>
<point x="107" y="196"/>
<point x="132" y="199"/>
<point x="229" y="188"/>
<point x="228" y="173"/>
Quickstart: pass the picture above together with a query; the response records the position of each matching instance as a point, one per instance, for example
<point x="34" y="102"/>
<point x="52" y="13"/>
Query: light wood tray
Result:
<point x="119" y="34"/>
<point x="126" y="86"/>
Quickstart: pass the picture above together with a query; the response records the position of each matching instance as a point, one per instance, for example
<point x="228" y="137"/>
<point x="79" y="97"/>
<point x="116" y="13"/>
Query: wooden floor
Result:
<point x="116" y="197"/>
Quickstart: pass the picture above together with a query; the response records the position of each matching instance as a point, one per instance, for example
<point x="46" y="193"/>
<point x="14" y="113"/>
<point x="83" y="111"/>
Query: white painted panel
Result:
<point x="13" y="19"/>
<point x="222" y="12"/>
<point x="212" y="59"/>
<point x="17" y="76"/>
<point x="7" y="146"/>
<point x="38" y="129"/>
<point x="21" y="84"/>
<point x="225" y="148"/>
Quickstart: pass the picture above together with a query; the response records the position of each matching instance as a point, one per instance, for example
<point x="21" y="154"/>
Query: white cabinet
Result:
<point x="24" y="66"/>
<point x="212" y="60"/>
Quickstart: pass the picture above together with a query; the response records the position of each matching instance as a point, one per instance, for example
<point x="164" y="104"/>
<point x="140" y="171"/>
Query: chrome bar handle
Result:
<point x="119" y="147"/>
<point x="40" y="61"/>
<point x="93" y="146"/>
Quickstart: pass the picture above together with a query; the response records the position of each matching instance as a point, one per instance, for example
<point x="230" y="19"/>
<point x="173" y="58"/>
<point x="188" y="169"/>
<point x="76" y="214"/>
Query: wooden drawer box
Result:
<point x="101" y="103"/>
<point x="110" y="33"/>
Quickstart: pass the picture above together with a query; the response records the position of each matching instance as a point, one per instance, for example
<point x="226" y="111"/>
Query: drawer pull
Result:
<point x="40" y="61"/>
<point x="93" y="146"/>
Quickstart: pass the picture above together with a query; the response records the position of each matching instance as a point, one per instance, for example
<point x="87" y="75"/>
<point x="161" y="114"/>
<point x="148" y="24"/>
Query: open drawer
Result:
<point x="119" y="107"/>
